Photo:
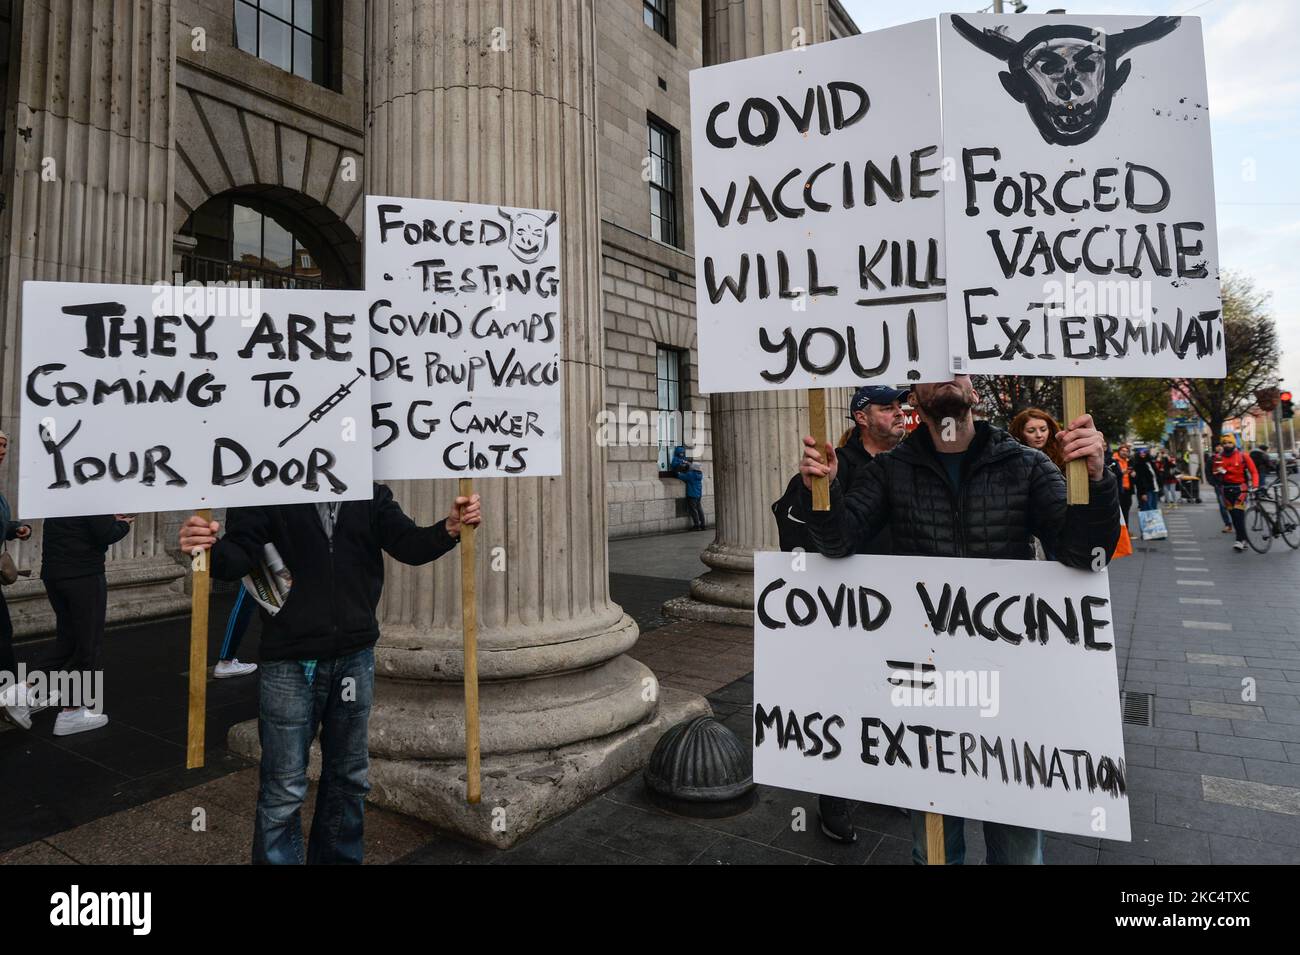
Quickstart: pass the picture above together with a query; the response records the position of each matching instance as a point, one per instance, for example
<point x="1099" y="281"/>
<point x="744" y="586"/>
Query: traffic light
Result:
<point x="1288" y="410"/>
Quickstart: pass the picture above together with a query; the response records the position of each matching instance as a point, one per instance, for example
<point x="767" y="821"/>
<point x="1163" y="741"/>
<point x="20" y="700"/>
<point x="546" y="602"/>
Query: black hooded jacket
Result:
<point x="75" y="546"/>
<point x="1008" y="495"/>
<point x="793" y="532"/>
<point x="330" y="610"/>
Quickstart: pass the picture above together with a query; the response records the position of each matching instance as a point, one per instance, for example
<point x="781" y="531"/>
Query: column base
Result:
<point x="526" y="790"/>
<point x="725" y="594"/>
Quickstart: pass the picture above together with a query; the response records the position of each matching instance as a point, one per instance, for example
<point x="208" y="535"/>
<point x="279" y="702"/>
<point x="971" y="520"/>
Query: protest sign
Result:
<point x="466" y="339"/>
<point x="978" y="688"/>
<point x="1080" y="228"/>
<point x="155" y="398"/>
<point x="818" y="215"/>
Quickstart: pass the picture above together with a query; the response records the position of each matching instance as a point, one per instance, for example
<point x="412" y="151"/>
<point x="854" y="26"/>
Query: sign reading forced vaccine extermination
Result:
<point x="465" y="332"/>
<point x="819" y="215"/>
<point x="978" y="688"/>
<point x="1080" y="226"/>
<point x="152" y="398"/>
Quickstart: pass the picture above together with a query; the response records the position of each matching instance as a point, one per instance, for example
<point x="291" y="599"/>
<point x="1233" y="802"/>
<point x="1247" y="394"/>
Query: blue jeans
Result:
<point x="1004" y="844"/>
<point x="337" y="702"/>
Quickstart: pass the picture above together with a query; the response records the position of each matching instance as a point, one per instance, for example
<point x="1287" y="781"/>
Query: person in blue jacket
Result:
<point x="694" y="480"/>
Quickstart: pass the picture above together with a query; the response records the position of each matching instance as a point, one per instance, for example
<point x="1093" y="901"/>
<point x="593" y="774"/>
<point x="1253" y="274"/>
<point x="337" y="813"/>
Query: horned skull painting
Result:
<point x="528" y="235"/>
<point x="1066" y="76"/>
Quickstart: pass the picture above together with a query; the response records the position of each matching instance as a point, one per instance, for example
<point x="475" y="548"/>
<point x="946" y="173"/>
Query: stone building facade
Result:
<point x="148" y="140"/>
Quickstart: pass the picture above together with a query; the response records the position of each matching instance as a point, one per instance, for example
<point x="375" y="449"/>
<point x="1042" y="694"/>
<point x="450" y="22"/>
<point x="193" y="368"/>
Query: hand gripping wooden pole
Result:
<point x="1076" y="471"/>
<point x="195" y="735"/>
<point x="469" y="620"/>
<point x="821" y="487"/>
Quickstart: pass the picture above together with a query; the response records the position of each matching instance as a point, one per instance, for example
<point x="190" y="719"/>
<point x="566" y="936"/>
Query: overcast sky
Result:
<point x="1252" y="52"/>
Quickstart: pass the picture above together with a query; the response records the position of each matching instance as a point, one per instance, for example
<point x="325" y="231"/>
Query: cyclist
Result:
<point x="1237" y="475"/>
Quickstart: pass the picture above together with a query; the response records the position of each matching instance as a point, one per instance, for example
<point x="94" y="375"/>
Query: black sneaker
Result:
<point x="837" y="823"/>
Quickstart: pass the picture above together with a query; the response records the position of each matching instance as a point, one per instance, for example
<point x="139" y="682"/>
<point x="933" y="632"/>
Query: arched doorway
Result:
<point x="272" y="236"/>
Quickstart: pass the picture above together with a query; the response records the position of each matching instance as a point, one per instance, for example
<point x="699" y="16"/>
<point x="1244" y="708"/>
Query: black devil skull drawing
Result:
<point x="1065" y="75"/>
<point x="528" y="234"/>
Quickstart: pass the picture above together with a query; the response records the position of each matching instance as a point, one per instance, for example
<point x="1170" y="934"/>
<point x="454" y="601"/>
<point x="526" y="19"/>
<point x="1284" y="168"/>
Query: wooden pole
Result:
<point x="195" y="736"/>
<point x="821" y="487"/>
<point x="1076" y="471"/>
<point x="935" y="853"/>
<point x="469" y="619"/>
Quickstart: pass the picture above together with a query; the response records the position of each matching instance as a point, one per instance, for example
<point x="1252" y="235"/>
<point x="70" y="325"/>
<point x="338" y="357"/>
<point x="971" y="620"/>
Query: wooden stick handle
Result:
<point x="469" y="619"/>
<point x="195" y="738"/>
<point x="821" y="487"/>
<point x="935" y="853"/>
<point x="1076" y="471"/>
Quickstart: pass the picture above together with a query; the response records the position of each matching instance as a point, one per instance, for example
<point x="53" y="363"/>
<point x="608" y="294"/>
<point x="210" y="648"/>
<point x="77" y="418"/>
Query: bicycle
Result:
<point x="1267" y="518"/>
<point x="1273" y="492"/>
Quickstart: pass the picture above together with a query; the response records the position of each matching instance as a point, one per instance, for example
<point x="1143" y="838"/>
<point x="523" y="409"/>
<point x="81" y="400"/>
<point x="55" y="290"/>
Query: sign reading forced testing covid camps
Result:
<point x="817" y="190"/>
<point x="1080" y="222"/>
<point x="978" y="688"/>
<point x="465" y="332"/>
<point x="152" y="398"/>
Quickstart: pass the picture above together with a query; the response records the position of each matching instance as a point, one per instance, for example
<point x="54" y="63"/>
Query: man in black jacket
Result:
<point x="957" y="488"/>
<point x="318" y="664"/>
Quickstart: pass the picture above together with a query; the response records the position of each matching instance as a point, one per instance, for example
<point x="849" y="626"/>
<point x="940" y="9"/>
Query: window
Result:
<point x="658" y="17"/>
<point x="241" y="240"/>
<point x="663" y="182"/>
<point x="668" y="374"/>
<point x="292" y="34"/>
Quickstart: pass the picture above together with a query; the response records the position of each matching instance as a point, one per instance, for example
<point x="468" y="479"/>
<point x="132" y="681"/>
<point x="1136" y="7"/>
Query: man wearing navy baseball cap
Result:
<point x="878" y="425"/>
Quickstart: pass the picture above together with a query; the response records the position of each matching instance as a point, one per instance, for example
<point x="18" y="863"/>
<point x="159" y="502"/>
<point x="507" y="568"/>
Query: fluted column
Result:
<point x="89" y="200"/>
<point x="755" y="434"/>
<point x="495" y="102"/>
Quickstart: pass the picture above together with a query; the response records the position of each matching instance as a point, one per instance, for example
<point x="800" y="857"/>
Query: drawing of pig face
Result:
<point x="528" y="235"/>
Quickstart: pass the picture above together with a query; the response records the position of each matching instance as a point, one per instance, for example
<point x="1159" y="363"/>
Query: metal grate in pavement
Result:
<point x="1137" y="708"/>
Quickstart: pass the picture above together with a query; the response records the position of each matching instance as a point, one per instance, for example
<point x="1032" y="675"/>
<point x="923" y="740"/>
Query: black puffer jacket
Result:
<point x="1009" y="495"/>
<point x="75" y="546"/>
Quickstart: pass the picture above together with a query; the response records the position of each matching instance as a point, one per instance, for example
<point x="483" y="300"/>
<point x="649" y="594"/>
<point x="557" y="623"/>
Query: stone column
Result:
<point x="89" y="200"/>
<point x="755" y="434"/>
<point x="494" y="102"/>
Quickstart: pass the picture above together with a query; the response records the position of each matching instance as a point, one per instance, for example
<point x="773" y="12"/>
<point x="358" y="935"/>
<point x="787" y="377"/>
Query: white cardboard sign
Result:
<point x="819" y="215"/>
<point x="465" y="331"/>
<point x="1080" y="226"/>
<point x="154" y="398"/>
<point x="986" y="689"/>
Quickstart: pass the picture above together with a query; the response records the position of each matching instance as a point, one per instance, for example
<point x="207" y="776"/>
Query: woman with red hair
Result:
<point x="1035" y="428"/>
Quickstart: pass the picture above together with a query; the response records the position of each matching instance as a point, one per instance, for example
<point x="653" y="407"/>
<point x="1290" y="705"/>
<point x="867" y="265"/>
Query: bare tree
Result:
<point x="1250" y="339"/>
<point x="1002" y="397"/>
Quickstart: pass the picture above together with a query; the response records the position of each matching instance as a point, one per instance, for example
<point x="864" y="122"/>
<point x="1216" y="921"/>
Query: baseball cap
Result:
<point x="876" y="395"/>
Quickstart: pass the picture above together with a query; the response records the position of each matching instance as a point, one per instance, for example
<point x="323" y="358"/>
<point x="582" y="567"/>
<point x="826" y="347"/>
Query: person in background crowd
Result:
<point x="241" y="615"/>
<point x="72" y="569"/>
<point x="693" y="477"/>
<point x="1263" y="466"/>
<point x="1145" y="480"/>
<point x="876" y="413"/>
<point x="1167" y="469"/>
<point x="1121" y="467"/>
<point x="1192" y="486"/>
<point x="1035" y="428"/>
<point x="14" y="696"/>
<point x="972" y="492"/>
<point x="318" y="664"/>
<point x="1237" y="475"/>
<point x="1215" y="477"/>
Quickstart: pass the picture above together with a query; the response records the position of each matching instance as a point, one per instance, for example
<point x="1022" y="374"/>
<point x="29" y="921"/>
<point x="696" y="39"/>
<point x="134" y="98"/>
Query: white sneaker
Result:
<point x="229" y="668"/>
<point x="78" y="721"/>
<point x="15" y="694"/>
<point x="21" y="715"/>
<point x="1238" y="545"/>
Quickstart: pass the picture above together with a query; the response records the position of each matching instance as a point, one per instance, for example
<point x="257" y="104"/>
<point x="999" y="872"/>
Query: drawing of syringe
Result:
<point x="323" y="408"/>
